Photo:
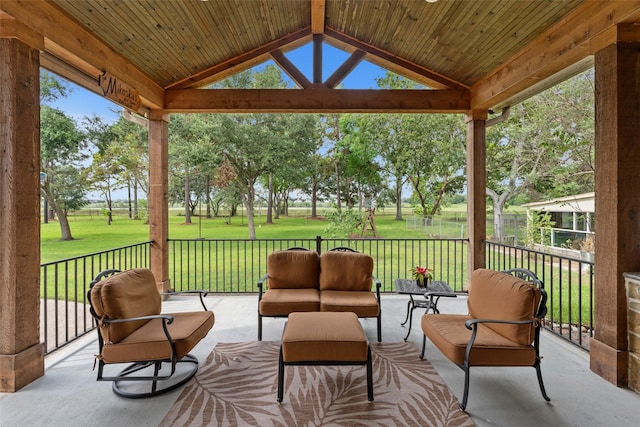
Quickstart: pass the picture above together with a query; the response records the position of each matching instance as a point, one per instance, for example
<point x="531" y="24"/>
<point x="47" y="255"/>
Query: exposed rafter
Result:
<point x="244" y="61"/>
<point x="344" y="69"/>
<point x="391" y="62"/>
<point x="292" y="71"/>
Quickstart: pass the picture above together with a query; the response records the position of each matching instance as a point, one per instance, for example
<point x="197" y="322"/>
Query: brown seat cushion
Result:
<point x="346" y="271"/>
<point x="150" y="343"/>
<point x="318" y="336"/>
<point x="362" y="303"/>
<point x="281" y="302"/>
<point x="293" y="269"/>
<point x="448" y="333"/>
<point x="132" y="293"/>
<point x="499" y="296"/>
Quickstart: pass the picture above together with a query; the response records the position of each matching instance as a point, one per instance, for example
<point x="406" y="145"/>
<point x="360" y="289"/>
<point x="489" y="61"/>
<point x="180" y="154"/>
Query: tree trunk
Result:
<point x="314" y="201"/>
<point x="129" y="199"/>
<point x="398" y="198"/>
<point x="248" y="204"/>
<point x="136" y="214"/>
<point x="338" y="205"/>
<point x="187" y="199"/>
<point x="499" y="200"/>
<point x="208" y="197"/>
<point x="269" y="201"/>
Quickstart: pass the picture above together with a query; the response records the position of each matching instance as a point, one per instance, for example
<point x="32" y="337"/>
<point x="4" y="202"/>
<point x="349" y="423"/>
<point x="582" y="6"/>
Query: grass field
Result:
<point x="92" y="234"/>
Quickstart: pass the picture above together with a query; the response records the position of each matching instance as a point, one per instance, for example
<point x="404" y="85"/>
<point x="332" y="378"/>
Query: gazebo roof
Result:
<point x="478" y="54"/>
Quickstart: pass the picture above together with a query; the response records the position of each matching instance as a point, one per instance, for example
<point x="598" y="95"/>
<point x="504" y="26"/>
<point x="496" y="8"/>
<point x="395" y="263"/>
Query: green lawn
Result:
<point x="92" y="234"/>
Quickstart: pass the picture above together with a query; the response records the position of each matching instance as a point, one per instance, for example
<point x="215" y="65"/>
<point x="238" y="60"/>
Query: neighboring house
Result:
<point x="573" y="218"/>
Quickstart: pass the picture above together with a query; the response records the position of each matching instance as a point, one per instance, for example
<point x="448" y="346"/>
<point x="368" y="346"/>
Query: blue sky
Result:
<point x="81" y="102"/>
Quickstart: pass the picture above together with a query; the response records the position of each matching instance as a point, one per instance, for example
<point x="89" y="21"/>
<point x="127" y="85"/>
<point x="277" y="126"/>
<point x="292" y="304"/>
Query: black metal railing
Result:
<point x="64" y="311"/>
<point x="235" y="265"/>
<point x="568" y="281"/>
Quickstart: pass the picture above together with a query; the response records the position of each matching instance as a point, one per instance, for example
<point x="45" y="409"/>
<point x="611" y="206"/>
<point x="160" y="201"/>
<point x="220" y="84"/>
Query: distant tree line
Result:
<point x="353" y="161"/>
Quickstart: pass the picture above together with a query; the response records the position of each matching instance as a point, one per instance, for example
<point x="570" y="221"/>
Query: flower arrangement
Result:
<point x="422" y="274"/>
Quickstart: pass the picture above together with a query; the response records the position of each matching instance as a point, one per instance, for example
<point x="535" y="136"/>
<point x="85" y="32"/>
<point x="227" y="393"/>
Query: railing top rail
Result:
<point x="324" y="239"/>
<point x="46" y="264"/>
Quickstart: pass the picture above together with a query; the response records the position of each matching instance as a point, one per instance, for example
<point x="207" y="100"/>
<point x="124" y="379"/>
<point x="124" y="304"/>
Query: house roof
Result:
<point x="577" y="203"/>
<point x="476" y="54"/>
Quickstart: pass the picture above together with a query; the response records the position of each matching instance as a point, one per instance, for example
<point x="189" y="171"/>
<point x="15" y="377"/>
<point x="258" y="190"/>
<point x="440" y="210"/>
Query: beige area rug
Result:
<point x="237" y="384"/>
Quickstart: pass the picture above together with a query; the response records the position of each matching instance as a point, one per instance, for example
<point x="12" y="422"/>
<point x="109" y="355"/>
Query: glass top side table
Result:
<point x="432" y="293"/>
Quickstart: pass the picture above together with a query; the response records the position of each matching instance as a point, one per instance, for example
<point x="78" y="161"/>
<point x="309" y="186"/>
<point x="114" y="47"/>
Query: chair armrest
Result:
<point x="201" y="293"/>
<point x="378" y="286"/>
<point x="260" y="285"/>
<point x="470" y="324"/>
<point x="165" y="317"/>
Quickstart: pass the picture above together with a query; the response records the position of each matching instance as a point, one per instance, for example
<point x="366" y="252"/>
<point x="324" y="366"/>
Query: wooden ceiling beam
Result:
<point x="77" y="46"/>
<point x="317" y="58"/>
<point x="316" y="101"/>
<point x="559" y="53"/>
<point x="391" y="62"/>
<point x="343" y="70"/>
<point x="243" y="61"/>
<point x="317" y="16"/>
<point x="292" y="71"/>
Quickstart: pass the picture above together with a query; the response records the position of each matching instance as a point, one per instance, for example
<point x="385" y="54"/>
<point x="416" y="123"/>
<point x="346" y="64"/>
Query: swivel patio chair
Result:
<point x="126" y="306"/>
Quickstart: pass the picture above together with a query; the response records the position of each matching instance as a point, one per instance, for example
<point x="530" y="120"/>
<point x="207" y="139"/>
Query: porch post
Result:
<point x="476" y="188"/>
<point x="159" y="197"/>
<point x="617" y="223"/>
<point x="21" y="353"/>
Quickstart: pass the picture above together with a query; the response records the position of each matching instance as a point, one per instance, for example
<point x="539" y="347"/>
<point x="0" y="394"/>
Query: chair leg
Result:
<point x="539" y="373"/>
<point x="369" y="375"/>
<point x="259" y="327"/>
<point x="424" y="344"/>
<point x="379" y="327"/>
<point x="465" y="394"/>
<point x="280" y="376"/>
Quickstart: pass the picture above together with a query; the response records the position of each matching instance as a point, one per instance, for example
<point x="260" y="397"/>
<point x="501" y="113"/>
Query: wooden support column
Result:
<point x="476" y="188"/>
<point x="21" y="353"/>
<point x="159" y="197"/>
<point x="617" y="203"/>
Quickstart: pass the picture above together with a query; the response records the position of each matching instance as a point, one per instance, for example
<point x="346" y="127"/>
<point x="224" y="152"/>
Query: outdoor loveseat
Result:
<point x="301" y="280"/>
<point x="506" y="310"/>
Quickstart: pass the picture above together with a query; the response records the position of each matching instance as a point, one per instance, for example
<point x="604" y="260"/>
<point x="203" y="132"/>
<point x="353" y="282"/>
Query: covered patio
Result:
<point x="477" y="58"/>
<point x="69" y="393"/>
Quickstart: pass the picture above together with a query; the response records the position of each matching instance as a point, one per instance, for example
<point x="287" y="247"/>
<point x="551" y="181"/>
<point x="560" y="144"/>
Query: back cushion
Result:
<point x="132" y="293"/>
<point x="345" y="271"/>
<point x="293" y="269"/>
<point x="500" y="296"/>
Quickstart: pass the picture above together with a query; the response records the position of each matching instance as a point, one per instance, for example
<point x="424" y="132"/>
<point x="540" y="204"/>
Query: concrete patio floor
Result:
<point x="69" y="395"/>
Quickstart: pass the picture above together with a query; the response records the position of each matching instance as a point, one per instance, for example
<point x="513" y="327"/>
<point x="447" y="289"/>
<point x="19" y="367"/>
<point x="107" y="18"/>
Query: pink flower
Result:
<point x="422" y="273"/>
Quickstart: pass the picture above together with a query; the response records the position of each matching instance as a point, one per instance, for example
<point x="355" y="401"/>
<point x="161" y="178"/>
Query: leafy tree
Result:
<point x="359" y="153"/>
<point x="257" y="144"/>
<point x="105" y="172"/>
<point x="544" y="149"/>
<point x="61" y="145"/>
<point x="132" y="152"/>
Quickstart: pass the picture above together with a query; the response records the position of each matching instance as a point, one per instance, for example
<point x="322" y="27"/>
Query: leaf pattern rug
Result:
<point x="237" y="385"/>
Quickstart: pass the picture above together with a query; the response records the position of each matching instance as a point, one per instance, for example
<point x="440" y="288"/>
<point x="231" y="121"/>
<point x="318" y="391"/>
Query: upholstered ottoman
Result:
<point x="324" y="338"/>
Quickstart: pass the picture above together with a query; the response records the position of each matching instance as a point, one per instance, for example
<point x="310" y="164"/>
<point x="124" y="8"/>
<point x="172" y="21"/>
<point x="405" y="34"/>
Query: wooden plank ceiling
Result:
<point x="453" y="45"/>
